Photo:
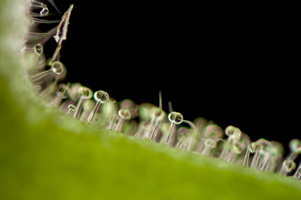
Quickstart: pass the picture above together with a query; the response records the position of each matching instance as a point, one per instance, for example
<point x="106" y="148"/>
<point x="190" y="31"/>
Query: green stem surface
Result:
<point x="47" y="155"/>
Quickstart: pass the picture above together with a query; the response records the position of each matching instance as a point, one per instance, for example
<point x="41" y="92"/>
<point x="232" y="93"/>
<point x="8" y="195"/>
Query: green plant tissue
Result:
<point x="47" y="155"/>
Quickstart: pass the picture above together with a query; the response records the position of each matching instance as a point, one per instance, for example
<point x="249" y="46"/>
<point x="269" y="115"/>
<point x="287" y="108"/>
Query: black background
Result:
<point x="235" y="69"/>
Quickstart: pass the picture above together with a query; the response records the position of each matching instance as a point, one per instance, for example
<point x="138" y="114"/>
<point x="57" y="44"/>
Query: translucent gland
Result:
<point x="129" y="105"/>
<point x="88" y="105"/>
<point x="275" y="149"/>
<point x="263" y="154"/>
<point x="175" y="118"/>
<point x="100" y="98"/>
<point x="152" y="114"/>
<point x="232" y="133"/>
<point x="71" y="108"/>
<point x="74" y="92"/>
<point x="85" y="93"/>
<point x="209" y="145"/>
<point x="44" y="11"/>
<point x="157" y="117"/>
<point x="56" y="68"/>
<point x="297" y="174"/>
<point x="34" y="19"/>
<point x="109" y="108"/>
<point x="158" y="113"/>
<point x="273" y="152"/>
<point x="255" y="147"/>
<point x="201" y="123"/>
<point x="237" y="146"/>
<point x="62" y="90"/>
<point x="108" y="117"/>
<point x="245" y="144"/>
<point x="295" y="147"/>
<point x="213" y="132"/>
<point x="287" y="167"/>
<point x="265" y="144"/>
<point x="123" y="114"/>
<point x="145" y="112"/>
<point x="62" y="93"/>
<point x="38" y="5"/>
<point x="38" y="49"/>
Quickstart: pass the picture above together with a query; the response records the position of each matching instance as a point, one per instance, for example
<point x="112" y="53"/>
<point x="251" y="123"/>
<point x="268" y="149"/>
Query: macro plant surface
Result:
<point x="45" y="154"/>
